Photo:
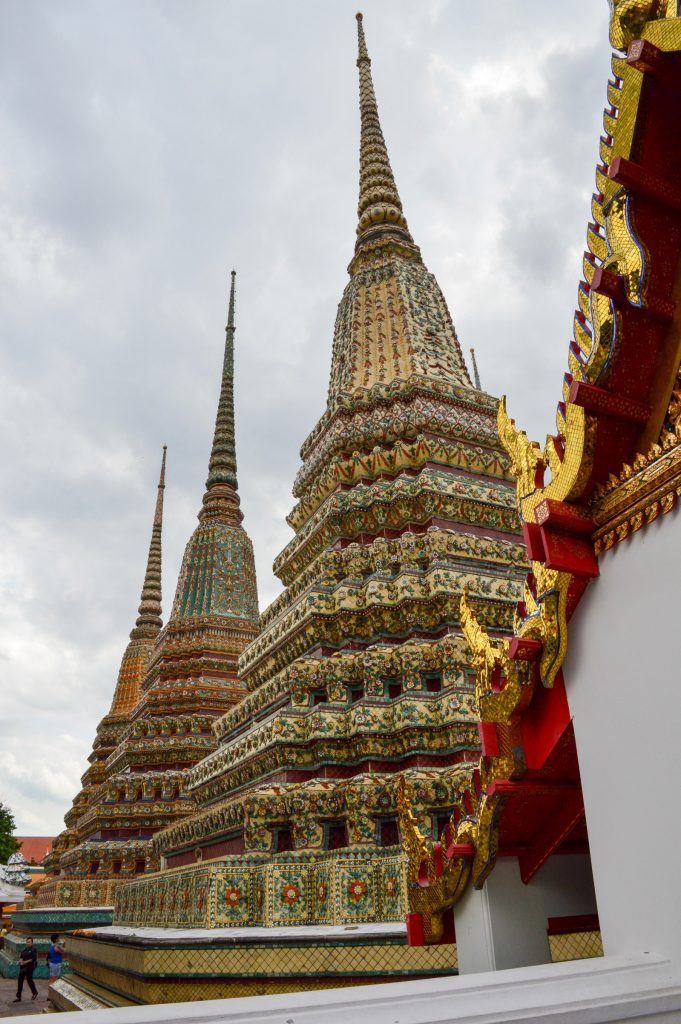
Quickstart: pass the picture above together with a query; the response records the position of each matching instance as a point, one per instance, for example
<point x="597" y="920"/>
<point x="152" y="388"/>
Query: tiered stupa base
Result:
<point x="119" y="966"/>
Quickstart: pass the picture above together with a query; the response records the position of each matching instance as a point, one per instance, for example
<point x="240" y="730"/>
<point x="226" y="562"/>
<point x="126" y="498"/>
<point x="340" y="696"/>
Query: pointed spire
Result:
<point x="476" y="375"/>
<point x="380" y="208"/>
<point x="148" y="625"/>
<point x="221" y="498"/>
<point x="149" y="620"/>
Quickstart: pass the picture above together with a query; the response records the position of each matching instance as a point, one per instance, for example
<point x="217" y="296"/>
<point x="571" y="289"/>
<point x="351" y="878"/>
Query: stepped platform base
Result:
<point x="118" y="966"/>
<point x="9" y="956"/>
<point x="45" y="920"/>
<point x="41" y="922"/>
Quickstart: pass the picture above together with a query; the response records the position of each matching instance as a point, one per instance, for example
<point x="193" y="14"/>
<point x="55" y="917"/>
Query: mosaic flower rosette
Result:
<point x="391" y="887"/>
<point x="323" y="893"/>
<point x="289" y="888"/>
<point x="69" y="894"/>
<point x="332" y="887"/>
<point x="356" y="892"/>
<point x="233" y="901"/>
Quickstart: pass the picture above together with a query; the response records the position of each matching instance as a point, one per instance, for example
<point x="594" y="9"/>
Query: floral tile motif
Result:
<point x="233" y="896"/>
<point x="289" y="893"/>
<point x="259" y="900"/>
<point x="185" y="894"/>
<point x="323" y="893"/>
<point x="339" y="887"/>
<point x="355" y="891"/>
<point x="161" y="903"/>
<point x="391" y="880"/>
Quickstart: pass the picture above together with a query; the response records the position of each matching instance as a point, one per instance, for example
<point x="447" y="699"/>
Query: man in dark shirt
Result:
<point x="28" y="961"/>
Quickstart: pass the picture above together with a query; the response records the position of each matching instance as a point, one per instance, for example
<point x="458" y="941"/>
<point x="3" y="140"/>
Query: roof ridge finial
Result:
<point x="476" y="375"/>
<point x="380" y="207"/>
<point x="149" y="619"/>
<point x="221" y="498"/>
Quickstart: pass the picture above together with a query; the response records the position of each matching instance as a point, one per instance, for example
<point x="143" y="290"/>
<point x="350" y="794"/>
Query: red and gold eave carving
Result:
<point x="613" y="466"/>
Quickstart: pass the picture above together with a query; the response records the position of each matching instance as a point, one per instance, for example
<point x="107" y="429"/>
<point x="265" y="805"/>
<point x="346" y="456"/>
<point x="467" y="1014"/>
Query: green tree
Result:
<point x="8" y="844"/>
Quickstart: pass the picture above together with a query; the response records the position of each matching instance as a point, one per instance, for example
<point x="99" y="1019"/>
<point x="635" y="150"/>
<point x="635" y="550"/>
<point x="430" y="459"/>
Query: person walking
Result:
<point x="55" y="956"/>
<point x="28" y="961"/>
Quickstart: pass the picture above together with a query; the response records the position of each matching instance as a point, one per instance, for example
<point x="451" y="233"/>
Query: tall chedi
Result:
<point x="192" y="675"/>
<point x="360" y="675"/>
<point x="190" y="678"/>
<point x="215" y="612"/>
<point x="69" y="861"/>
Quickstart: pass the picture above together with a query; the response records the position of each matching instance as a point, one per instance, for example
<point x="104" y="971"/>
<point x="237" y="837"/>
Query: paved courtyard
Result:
<point x="8" y="990"/>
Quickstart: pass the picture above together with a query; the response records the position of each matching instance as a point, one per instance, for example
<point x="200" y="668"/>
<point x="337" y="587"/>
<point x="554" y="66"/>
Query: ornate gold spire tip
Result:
<point x="149" y="619"/>
<point x="379" y="209"/>
<point x="221" y="498"/>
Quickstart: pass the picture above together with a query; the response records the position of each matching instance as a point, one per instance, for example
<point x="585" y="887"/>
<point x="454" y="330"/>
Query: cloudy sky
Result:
<point x="151" y="145"/>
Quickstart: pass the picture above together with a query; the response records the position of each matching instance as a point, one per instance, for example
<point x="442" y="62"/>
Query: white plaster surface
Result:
<point x="566" y="886"/>
<point x="502" y="925"/>
<point x="302" y="932"/>
<point x="623" y="680"/>
<point x="643" y="988"/>
<point x="12" y="893"/>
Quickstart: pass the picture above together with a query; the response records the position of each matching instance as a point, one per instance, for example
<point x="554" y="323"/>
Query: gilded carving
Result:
<point x="628" y="18"/>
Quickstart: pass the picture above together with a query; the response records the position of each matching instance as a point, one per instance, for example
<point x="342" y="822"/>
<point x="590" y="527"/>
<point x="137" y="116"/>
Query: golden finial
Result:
<point x="221" y="496"/>
<point x="149" y="621"/>
<point x="149" y="617"/>
<point x="380" y="208"/>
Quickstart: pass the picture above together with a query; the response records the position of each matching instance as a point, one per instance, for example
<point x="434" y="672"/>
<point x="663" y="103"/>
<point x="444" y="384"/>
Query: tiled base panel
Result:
<point x="575" y="946"/>
<point x="45" y="920"/>
<point x="75" y="892"/>
<point x="118" y="971"/>
<point x="123" y="970"/>
<point x="337" y="887"/>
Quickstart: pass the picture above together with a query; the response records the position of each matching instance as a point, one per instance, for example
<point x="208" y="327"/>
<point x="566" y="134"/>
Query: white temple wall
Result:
<point x="504" y="924"/>
<point x="623" y="680"/>
<point x="566" y="885"/>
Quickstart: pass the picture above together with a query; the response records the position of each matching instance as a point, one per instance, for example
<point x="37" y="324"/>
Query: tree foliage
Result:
<point x="8" y="844"/>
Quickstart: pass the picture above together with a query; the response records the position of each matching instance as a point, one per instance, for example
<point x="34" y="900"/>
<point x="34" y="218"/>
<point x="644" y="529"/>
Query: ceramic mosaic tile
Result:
<point x="290" y="893"/>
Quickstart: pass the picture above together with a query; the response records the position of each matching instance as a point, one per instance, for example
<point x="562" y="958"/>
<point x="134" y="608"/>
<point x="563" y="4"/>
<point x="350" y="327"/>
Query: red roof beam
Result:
<point x="555" y="831"/>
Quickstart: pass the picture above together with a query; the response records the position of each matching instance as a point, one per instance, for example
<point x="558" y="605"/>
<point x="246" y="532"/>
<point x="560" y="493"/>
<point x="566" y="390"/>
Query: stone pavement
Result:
<point x="8" y="990"/>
